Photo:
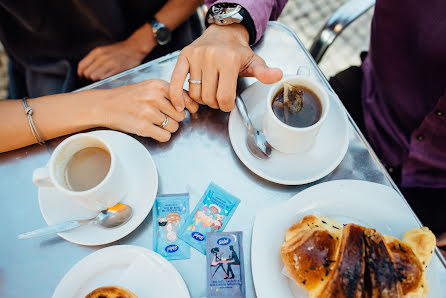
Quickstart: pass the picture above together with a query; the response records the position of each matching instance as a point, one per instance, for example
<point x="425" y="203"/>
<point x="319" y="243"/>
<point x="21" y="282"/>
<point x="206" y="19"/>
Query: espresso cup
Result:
<point x="105" y="194"/>
<point x="286" y="138"/>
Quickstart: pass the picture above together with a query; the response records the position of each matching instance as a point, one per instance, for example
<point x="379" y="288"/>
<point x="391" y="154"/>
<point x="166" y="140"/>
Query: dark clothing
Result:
<point x="428" y="203"/>
<point x="404" y="89"/>
<point x="45" y="40"/>
<point x="234" y="257"/>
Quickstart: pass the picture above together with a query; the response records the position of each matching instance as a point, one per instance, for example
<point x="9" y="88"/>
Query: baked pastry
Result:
<point x="347" y="277"/>
<point x="359" y="262"/>
<point x="111" y="292"/>
<point x="381" y="276"/>
<point x="310" y="249"/>
<point x="423" y="242"/>
<point x="409" y="269"/>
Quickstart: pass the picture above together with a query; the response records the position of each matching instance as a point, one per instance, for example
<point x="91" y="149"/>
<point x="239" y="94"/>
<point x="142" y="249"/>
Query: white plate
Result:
<point x="142" y="271"/>
<point x="142" y="178"/>
<point x="369" y="204"/>
<point x="290" y="169"/>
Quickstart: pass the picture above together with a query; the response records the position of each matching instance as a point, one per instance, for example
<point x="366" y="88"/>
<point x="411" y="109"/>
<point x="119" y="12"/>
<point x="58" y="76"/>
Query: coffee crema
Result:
<point x="87" y="168"/>
<point x="300" y="107"/>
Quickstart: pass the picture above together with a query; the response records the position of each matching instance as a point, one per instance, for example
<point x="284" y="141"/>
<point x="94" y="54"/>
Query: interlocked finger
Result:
<point x="165" y="122"/>
<point x="194" y="86"/>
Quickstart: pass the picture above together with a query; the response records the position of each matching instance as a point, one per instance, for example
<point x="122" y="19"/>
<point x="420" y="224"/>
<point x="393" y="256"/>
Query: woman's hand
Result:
<point x="141" y="109"/>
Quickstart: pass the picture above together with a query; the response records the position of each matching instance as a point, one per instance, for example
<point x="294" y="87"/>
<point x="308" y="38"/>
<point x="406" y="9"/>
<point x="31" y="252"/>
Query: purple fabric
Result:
<point x="404" y="89"/>
<point x="260" y="11"/>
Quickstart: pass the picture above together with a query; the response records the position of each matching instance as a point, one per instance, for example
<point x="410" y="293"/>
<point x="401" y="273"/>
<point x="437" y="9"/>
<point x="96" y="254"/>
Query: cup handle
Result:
<point x="303" y="71"/>
<point x="41" y="177"/>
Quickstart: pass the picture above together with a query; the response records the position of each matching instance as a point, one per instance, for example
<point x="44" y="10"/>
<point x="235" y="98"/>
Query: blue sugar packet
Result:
<point x="211" y="214"/>
<point x="225" y="268"/>
<point x="169" y="215"/>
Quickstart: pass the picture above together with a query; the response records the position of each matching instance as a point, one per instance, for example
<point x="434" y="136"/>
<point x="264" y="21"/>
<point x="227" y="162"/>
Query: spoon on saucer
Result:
<point x="112" y="217"/>
<point x="257" y="144"/>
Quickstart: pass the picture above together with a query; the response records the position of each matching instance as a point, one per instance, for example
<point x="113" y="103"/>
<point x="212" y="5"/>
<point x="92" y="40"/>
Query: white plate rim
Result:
<point x="150" y="196"/>
<point x="294" y="200"/>
<point x="268" y="177"/>
<point x="116" y="250"/>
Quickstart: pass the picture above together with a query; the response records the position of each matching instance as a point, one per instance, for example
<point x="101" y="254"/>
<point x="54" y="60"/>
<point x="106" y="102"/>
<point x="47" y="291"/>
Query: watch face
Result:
<point x="163" y="35"/>
<point x="225" y="8"/>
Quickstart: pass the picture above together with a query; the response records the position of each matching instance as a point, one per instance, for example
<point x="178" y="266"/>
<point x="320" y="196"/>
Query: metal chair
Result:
<point x="339" y="20"/>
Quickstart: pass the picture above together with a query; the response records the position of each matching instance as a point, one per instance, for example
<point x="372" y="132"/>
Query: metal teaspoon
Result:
<point x="257" y="144"/>
<point x="110" y="218"/>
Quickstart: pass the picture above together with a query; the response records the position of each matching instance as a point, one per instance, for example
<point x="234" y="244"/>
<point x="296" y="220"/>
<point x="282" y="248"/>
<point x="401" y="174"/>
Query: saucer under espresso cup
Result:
<point x="284" y="137"/>
<point x="105" y="194"/>
<point x="324" y="156"/>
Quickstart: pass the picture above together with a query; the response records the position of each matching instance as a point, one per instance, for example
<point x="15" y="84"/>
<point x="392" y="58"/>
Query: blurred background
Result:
<point x="305" y="17"/>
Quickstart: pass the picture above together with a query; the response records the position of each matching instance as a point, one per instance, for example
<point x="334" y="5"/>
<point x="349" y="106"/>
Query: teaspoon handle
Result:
<point x="68" y="225"/>
<point x="243" y="111"/>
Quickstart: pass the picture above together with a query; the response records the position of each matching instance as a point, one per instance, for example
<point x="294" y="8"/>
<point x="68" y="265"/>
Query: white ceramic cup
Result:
<point x="289" y="139"/>
<point x="107" y="193"/>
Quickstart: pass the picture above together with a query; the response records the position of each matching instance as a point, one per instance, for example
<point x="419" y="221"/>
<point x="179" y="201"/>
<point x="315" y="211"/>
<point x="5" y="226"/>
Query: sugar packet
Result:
<point x="211" y="214"/>
<point x="225" y="265"/>
<point x="169" y="215"/>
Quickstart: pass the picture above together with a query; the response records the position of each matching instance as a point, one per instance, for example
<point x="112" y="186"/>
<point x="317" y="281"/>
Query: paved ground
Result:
<point x="305" y="17"/>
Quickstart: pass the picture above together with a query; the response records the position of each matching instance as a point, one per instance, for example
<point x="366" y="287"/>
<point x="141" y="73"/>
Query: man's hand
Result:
<point x="216" y="59"/>
<point x="105" y="61"/>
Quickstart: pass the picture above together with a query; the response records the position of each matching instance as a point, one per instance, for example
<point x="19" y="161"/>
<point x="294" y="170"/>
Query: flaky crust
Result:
<point x="356" y="261"/>
<point x="347" y="277"/>
<point x="111" y="292"/>
<point x="308" y="253"/>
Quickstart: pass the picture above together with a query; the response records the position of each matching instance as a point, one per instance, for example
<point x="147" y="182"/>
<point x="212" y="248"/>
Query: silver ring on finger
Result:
<point x="166" y="120"/>
<point x="194" y="81"/>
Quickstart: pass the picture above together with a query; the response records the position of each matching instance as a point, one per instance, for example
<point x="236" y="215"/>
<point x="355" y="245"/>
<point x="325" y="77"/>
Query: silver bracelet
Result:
<point x="29" y="113"/>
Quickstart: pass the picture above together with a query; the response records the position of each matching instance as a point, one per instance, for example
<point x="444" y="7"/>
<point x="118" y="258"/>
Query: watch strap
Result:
<point x="249" y="25"/>
<point x="247" y="22"/>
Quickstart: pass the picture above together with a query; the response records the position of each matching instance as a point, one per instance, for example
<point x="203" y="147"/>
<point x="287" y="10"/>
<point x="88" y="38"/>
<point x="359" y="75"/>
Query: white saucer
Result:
<point x="143" y="185"/>
<point x="291" y="169"/>
<point x="348" y="201"/>
<point x="138" y="269"/>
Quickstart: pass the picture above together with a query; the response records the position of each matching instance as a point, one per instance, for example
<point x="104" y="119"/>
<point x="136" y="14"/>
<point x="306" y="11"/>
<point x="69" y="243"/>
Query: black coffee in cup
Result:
<point x="297" y="106"/>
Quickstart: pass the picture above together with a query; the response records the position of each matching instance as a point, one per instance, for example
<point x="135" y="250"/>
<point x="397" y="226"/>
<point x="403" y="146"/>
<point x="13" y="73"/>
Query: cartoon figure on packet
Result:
<point x="207" y="217"/>
<point x="224" y="259"/>
<point x="169" y="215"/>
<point x="170" y="226"/>
<point x="211" y="214"/>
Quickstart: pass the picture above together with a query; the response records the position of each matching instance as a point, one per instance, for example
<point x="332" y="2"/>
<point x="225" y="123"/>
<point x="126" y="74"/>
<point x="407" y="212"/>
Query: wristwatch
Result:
<point x="160" y="31"/>
<point x="228" y="13"/>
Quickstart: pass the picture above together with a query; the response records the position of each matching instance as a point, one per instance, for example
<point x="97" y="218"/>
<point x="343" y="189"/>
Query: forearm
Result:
<point x="175" y="12"/>
<point x="54" y="116"/>
<point x="172" y="14"/>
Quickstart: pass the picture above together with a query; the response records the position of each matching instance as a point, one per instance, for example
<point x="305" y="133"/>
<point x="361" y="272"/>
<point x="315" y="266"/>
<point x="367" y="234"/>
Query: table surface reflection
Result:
<point x="200" y="152"/>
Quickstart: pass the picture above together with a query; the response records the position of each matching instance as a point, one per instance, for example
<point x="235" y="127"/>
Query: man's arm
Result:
<point x="220" y="55"/>
<point x="105" y="61"/>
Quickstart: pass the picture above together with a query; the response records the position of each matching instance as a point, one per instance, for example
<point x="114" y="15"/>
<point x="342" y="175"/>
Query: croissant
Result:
<point x="354" y="261"/>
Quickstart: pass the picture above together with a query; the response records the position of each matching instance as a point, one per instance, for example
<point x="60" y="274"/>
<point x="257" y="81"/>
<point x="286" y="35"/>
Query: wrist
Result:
<point x="237" y="31"/>
<point x="225" y="14"/>
<point x="142" y="41"/>
<point x="95" y="103"/>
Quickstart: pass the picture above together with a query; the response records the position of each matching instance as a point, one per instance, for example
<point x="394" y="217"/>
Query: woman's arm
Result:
<point x="139" y="108"/>
<point x="105" y="61"/>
